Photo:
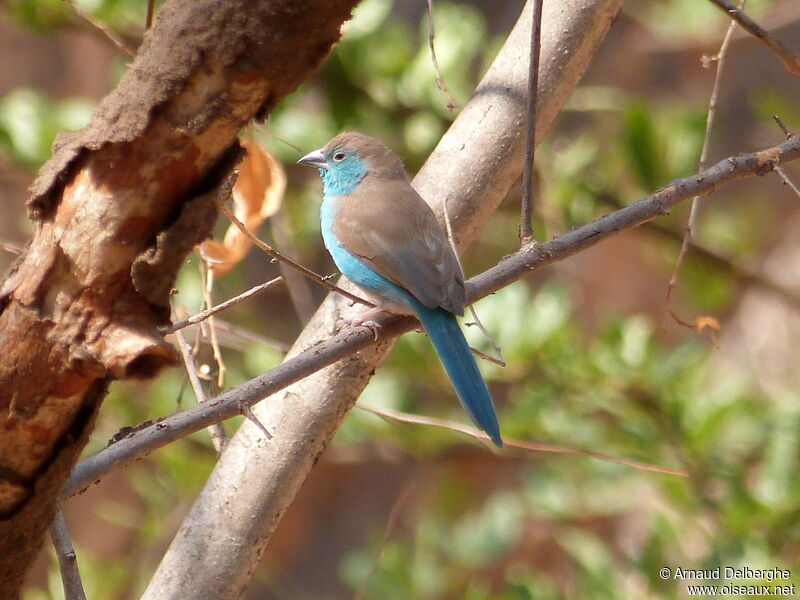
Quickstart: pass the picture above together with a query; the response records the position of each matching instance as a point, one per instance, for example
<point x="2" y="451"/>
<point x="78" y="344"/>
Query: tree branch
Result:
<point x="790" y="61"/>
<point x="150" y="436"/>
<point x="67" y="561"/>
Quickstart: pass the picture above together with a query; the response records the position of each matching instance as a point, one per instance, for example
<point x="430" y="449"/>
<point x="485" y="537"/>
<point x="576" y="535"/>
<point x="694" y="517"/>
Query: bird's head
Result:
<point x="349" y="157"/>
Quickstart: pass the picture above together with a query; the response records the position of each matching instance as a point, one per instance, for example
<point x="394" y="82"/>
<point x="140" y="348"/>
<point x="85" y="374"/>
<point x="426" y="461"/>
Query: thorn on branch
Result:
<point x="789" y="135"/>
<point x="245" y="409"/>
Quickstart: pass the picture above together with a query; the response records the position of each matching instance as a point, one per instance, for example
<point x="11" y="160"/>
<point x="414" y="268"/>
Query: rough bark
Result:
<point x="473" y="167"/>
<point x="118" y="207"/>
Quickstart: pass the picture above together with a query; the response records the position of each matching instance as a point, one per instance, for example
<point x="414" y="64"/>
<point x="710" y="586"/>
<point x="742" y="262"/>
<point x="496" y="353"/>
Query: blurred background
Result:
<point x="593" y="362"/>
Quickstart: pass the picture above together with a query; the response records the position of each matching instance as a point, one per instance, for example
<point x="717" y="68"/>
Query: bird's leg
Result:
<point x="366" y="319"/>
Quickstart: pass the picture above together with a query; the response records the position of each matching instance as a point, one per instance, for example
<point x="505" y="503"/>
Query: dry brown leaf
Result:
<point x="710" y="323"/>
<point x="257" y="195"/>
<point x="700" y="325"/>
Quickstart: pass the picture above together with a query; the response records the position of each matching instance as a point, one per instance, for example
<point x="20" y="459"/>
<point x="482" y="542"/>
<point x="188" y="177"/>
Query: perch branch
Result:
<point x="349" y="341"/>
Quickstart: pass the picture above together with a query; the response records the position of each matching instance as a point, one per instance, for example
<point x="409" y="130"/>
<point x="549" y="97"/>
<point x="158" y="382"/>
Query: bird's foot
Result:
<point x="366" y="320"/>
<point x="372" y="326"/>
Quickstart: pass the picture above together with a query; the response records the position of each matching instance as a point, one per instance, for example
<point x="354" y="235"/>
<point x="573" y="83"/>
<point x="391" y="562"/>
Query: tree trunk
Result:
<point x="118" y="207"/>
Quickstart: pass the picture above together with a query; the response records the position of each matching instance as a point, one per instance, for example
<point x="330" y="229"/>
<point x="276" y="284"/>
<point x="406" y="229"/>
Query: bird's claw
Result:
<point x="373" y="326"/>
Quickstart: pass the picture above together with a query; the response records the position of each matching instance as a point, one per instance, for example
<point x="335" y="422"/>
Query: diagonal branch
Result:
<point x="352" y="340"/>
<point x="402" y="417"/>
<point x="790" y="60"/>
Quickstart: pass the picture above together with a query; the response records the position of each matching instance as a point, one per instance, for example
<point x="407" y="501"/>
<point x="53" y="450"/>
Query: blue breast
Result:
<point x="354" y="267"/>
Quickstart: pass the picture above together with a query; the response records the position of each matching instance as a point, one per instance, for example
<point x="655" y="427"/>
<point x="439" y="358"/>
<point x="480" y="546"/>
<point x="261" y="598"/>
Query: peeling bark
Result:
<point x="118" y="207"/>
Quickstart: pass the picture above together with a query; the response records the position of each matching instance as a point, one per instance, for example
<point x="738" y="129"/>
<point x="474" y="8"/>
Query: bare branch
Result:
<point x="11" y="247"/>
<point x="102" y="28"/>
<point x="349" y="341"/>
<point x="535" y="256"/>
<point x="787" y="181"/>
<point x="783" y="127"/>
<point x="710" y="115"/>
<point x="207" y="273"/>
<point x="526" y="211"/>
<point x="323" y="281"/>
<point x="218" y="437"/>
<point x="203" y="315"/>
<point x="67" y="561"/>
<point x="451" y="102"/>
<point x="788" y="58"/>
<point x="530" y="446"/>
<point x="151" y="6"/>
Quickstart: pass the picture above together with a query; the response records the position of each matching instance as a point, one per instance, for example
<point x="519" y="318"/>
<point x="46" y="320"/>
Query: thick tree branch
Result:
<point x="151" y="436"/>
<point x="118" y="207"/>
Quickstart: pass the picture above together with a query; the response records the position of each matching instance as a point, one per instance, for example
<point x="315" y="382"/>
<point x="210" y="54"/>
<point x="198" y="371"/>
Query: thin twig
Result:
<point x="208" y="284"/>
<point x="783" y="127"/>
<point x="693" y="211"/>
<point x="526" y="210"/>
<point x="451" y="102"/>
<point x="786" y="180"/>
<point x="394" y="415"/>
<point x="246" y="334"/>
<point x="218" y="437"/>
<point x="151" y="5"/>
<point x="388" y="531"/>
<point x="103" y="28"/>
<point x="452" y="239"/>
<point x="498" y="359"/>
<point x="203" y="315"/>
<point x="297" y="285"/>
<point x="790" y="61"/>
<point x="67" y="561"/>
<point x="151" y="436"/>
<point x="286" y="260"/>
<point x="781" y="173"/>
<point x="11" y="247"/>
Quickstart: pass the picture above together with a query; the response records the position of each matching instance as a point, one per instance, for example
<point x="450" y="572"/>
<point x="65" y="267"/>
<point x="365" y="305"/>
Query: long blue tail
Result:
<point x="461" y="367"/>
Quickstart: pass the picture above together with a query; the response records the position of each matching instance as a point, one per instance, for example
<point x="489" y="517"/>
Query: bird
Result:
<point x="385" y="238"/>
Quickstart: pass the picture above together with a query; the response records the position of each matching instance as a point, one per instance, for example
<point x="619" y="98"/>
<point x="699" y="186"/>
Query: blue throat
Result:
<point x="343" y="178"/>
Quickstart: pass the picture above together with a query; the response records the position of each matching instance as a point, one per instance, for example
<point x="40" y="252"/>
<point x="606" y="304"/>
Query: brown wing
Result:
<point x="393" y="229"/>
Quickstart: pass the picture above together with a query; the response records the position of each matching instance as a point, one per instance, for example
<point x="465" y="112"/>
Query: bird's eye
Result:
<point x="339" y="156"/>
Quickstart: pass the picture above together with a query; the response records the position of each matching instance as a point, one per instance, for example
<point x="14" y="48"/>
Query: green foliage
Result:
<point x="29" y="123"/>
<point x="380" y="79"/>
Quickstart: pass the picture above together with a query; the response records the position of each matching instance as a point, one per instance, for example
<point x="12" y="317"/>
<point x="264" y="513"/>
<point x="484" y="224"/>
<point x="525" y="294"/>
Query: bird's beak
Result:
<point x="314" y="159"/>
